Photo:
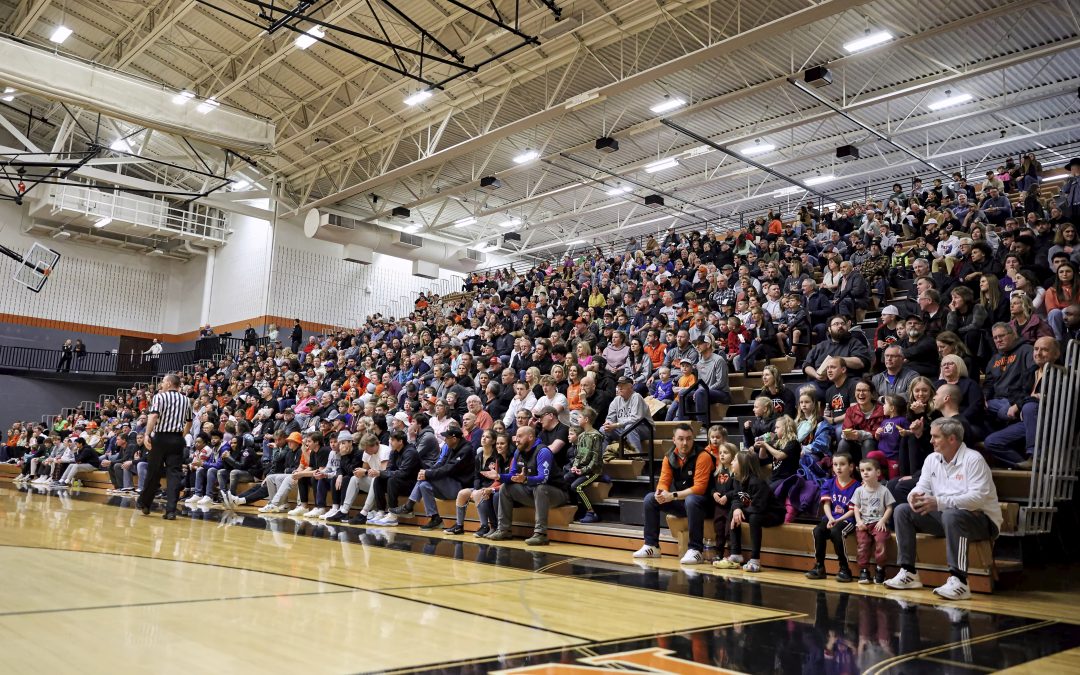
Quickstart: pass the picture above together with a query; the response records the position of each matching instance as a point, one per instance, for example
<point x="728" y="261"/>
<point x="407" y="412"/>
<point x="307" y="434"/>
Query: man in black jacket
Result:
<point x="919" y="348"/>
<point x="297" y="336"/>
<point x="818" y="306"/>
<point x="241" y="461"/>
<point x="427" y="445"/>
<point x="1009" y="375"/>
<point x="452" y="471"/>
<point x="840" y="344"/>
<point x="853" y="294"/>
<point x="284" y="459"/>
<point x="396" y="479"/>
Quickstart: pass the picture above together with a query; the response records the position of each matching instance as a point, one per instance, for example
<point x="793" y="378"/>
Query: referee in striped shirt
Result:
<point x="168" y="421"/>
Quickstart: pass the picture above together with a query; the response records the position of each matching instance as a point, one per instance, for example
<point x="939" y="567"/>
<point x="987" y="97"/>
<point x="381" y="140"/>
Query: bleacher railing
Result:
<point x="1057" y="445"/>
<point x="130" y="364"/>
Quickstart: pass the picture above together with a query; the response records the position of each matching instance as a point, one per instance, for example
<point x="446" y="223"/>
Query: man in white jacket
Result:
<point x="956" y="499"/>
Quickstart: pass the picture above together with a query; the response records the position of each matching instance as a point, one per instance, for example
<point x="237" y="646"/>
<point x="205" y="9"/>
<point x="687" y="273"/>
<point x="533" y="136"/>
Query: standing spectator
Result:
<point x="1068" y="199"/>
<point x="873" y="504"/>
<point x="80" y="354"/>
<point x="66" y="351"/>
<point x="296" y="337"/>
<point x="154" y="352"/>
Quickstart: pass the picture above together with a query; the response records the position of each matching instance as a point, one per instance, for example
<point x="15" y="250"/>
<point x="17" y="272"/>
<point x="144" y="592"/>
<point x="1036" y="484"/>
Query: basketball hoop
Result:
<point x="34" y="267"/>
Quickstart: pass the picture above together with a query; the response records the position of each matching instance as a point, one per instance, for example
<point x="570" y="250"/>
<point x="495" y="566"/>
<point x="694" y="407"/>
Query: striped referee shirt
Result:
<point x="173" y="410"/>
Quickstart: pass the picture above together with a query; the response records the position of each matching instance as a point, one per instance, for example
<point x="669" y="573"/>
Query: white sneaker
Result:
<point x="207" y="500"/>
<point x="647" y="551"/>
<point x="278" y="508"/>
<point x="227" y="501"/>
<point x="375" y="516"/>
<point x="329" y="514"/>
<point x="389" y="520"/>
<point x="315" y="512"/>
<point x="692" y="557"/>
<point x="192" y="500"/>
<point x="953" y="589"/>
<point x="904" y="581"/>
<point x="266" y="508"/>
<point x="40" y="480"/>
<point x="298" y="511"/>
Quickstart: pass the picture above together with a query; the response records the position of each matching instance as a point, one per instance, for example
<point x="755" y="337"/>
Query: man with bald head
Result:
<point x="1019" y="437"/>
<point x="533" y="480"/>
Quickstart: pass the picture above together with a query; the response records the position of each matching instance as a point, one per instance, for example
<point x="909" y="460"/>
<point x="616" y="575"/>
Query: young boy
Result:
<point x="663" y="389"/>
<point x="587" y="463"/>
<point x="873" y="505"/>
<point x="839" y="518"/>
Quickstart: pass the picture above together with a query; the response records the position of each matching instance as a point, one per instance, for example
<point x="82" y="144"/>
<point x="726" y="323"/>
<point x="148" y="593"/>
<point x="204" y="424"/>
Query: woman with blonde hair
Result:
<point x="1028" y="325"/>
<point x="972" y="403"/>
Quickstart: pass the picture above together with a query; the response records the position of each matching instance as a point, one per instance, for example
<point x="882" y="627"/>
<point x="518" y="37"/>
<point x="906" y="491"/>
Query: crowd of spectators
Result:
<point x="515" y="391"/>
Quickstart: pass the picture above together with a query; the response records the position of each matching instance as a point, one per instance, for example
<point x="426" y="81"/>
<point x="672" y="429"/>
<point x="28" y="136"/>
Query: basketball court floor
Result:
<point x="90" y="585"/>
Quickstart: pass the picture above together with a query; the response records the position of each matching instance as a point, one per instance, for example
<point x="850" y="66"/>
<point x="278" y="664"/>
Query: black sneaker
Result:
<point x="433" y="524"/>
<point x="403" y="511"/>
<point x="879" y="576"/>
<point x="844" y="575"/>
<point x="358" y="519"/>
<point x="456" y="529"/>
<point x="864" y="576"/>
<point x="482" y="532"/>
<point x="818" y="572"/>
<point x="338" y="517"/>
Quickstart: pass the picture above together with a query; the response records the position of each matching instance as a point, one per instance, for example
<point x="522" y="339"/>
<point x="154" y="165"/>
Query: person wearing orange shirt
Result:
<point x="684" y="480"/>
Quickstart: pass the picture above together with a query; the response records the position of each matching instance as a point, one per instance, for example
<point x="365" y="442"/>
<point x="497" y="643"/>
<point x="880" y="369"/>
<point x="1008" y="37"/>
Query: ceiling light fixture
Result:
<point x="949" y="101"/>
<point x="418" y="97"/>
<point x="183" y="97"/>
<point x="9" y="90"/>
<point x="310" y="37"/>
<point x="526" y="156"/>
<point x="464" y="222"/>
<point x="820" y="180"/>
<point x="576" y="242"/>
<point x="241" y="184"/>
<point x="619" y="190"/>
<point x="60" y="34"/>
<point x="102" y="223"/>
<point x="512" y="222"/>
<point x="206" y="106"/>
<point x="669" y="163"/>
<point x="787" y="191"/>
<point x="8" y="98"/>
<point x="668" y="104"/>
<point x="868" y="40"/>
<point x="758" y="148"/>
<point x="120" y="145"/>
<point x="412" y="229"/>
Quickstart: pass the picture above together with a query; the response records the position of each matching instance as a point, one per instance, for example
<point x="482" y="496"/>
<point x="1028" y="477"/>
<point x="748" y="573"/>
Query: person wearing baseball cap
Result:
<point x="285" y="460"/>
<point x="452" y="471"/>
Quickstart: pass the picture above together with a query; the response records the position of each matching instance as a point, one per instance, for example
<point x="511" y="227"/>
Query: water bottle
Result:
<point x="710" y="550"/>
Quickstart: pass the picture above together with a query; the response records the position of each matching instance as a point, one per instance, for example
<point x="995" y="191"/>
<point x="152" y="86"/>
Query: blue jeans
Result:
<point x="1005" y="444"/>
<point x="205" y="480"/>
<point x="1056" y="319"/>
<point x="695" y="508"/>
<point x="999" y="409"/>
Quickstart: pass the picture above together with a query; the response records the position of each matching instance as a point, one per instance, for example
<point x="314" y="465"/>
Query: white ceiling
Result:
<point x="1019" y="59"/>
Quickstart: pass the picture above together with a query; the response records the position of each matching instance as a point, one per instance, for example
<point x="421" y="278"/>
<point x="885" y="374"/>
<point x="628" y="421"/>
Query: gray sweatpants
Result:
<point x="355" y="486"/>
<point x="958" y="526"/>
<point x="541" y="497"/>
<point x="278" y="486"/>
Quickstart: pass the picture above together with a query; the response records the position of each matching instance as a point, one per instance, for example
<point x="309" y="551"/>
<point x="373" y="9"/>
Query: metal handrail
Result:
<point x="116" y="363"/>
<point x="651" y="455"/>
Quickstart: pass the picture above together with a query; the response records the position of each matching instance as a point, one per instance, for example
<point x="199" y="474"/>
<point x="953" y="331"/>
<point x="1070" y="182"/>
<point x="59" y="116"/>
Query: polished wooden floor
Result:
<point x="91" y="585"/>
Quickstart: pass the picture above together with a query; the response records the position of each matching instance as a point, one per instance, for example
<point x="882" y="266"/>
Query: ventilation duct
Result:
<point x="357" y="235"/>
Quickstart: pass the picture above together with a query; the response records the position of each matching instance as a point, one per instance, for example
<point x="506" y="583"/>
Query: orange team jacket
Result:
<point x="702" y="470"/>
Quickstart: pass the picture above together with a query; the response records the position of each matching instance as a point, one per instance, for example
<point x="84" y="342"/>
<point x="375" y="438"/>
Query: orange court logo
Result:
<point x="650" y="660"/>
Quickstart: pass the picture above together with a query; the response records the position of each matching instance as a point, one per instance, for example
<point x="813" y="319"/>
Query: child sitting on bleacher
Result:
<point x="684" y="388"/>
<point x="873" y="505"/>
<point x="888" y="435"/>
<point x="780" y="450"/>
<point x="763" y="422"/>
<point x="588" y="461"/>
<point x="752" y="502"/>
<point x="663" y="389"/>
<point x="793" y="326"/>
<point x="839" y="519"/>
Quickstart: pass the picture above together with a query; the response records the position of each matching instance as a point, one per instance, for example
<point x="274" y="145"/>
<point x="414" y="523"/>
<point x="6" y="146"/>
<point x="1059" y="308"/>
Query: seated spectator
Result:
<point x="624" y="415"/>
<point x="680" y="490"/>
<point x="444" y="480"/>
<point x="533" y="480"/>
<point x="889" y="434"/>
<point x="919" y="349"/>
<point x="391" y="483"/>
<point x="85" y="459"/>
<point x="285" y="459"/>
<point x="861" y="422"/>
<point x="839" y="344"/>
<point x="772" y="387"/>
<point x="968" y="319"/>
<point x="1028" y="325"/>
<point x="763" y="422"/>
<point x="838" y="521"/>
<point x="492" y="459"/>
<point x="1009" y="375"/>
<point x="587" y="446"/>
<point x="752" y="502"/>
<point x="1014" y="446"/>
<point x="896" y="377"/>
<point x="955" y="498"/>
<point x="351" y="473"/>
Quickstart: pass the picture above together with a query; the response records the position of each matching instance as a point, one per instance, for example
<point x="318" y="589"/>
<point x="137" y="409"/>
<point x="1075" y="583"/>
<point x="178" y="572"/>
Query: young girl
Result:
<point x="814" y="433"/>
<point x="486" y="487"/>
<point x="588" y="461"/>
<point x="888" y="434"/>
<point x="839" y="519"/>
<point x="752" y="502"/>
<point x="763" y="422"/>
<point x="873" y="505"/>
<point x="782" y="451"/>
<point x="723" y="483"/>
